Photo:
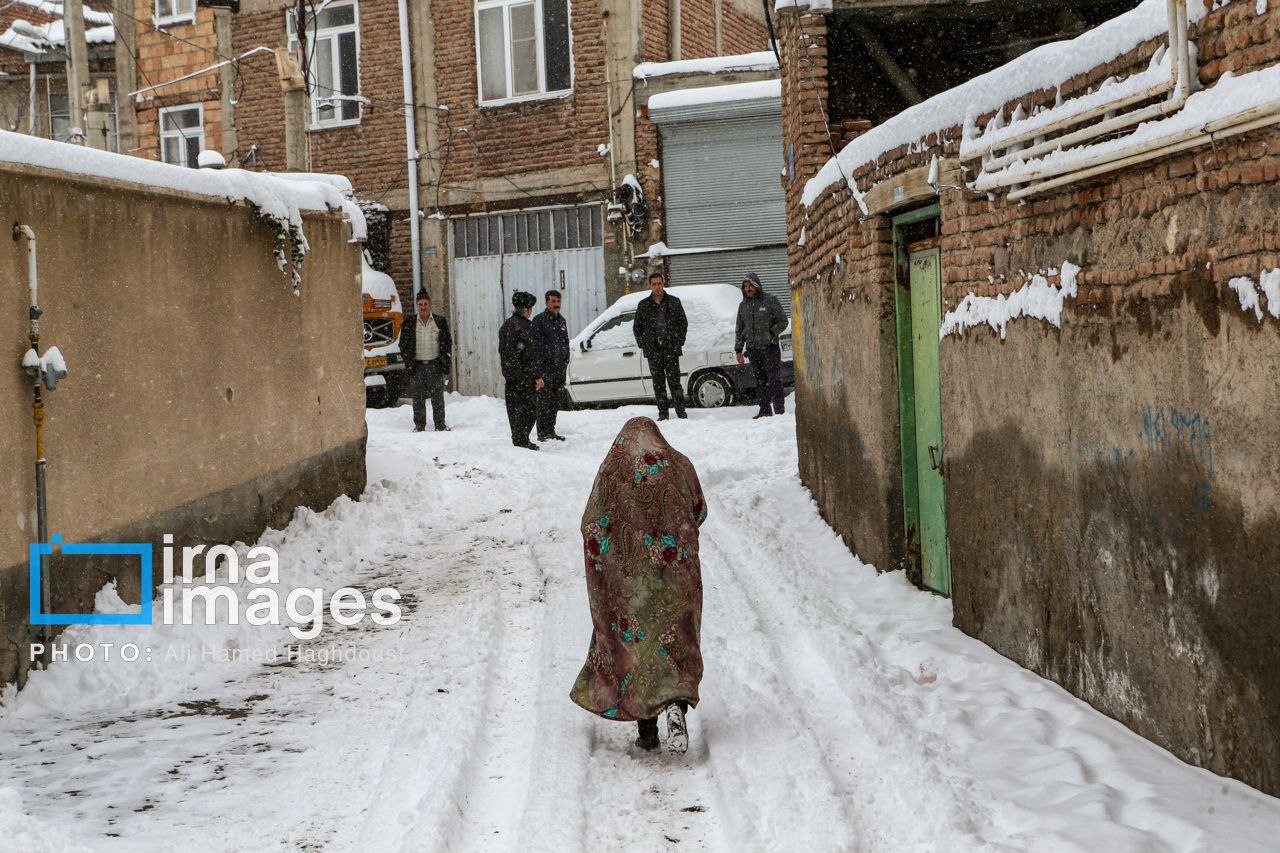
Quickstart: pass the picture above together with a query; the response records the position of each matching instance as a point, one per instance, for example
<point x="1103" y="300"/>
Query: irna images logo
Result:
<point x="251" y="592"/>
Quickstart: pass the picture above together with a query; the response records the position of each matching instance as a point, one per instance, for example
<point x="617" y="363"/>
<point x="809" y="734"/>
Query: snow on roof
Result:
<point x="53" y="9"/>
<point x="1046" y="67"/>
<point x="762" y="61"/>
<point x="277" y="198"/>
<point x="758" y="90"/>
<point x="55" y="35"/>
<point x="1232" y="94"/>
<point x="378" y="285"/>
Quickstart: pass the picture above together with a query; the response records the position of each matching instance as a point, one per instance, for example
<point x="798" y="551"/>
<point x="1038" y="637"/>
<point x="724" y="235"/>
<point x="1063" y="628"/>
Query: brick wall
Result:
<point x="655" y="38"/>
<point x="697" y="29"/>
<point x="742" y="32"/>
<point x="523" y="137"/>
<point x="165" y="56"/>
<point x="372" y="153"/>
<point x="1108" y="487"/>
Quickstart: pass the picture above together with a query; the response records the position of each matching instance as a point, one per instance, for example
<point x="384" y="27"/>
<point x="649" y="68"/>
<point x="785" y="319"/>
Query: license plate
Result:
<point x="376" y="361"/>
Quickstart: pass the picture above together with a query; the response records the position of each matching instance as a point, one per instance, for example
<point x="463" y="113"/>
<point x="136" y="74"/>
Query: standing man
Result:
<point x="427" y="348"/>
<point x="551" y="336"/>
<point x="660" y="328"/>
<point x="520" y="369"/>
<point x="761" y="321"/>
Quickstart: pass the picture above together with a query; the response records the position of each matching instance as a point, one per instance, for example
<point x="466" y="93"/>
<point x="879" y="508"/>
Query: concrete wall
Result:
<point x="1111" y="495"/>
<point x="204" y="399"/>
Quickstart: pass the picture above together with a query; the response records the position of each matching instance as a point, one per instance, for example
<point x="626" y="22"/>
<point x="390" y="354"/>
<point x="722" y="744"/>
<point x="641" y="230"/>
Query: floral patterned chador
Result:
<point x="640" y="537"/>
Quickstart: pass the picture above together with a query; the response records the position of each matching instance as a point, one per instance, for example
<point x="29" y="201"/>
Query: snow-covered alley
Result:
<point x="840" y="710"/>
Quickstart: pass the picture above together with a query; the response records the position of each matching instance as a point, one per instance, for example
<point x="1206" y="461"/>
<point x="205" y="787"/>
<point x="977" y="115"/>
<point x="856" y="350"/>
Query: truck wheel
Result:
<point x="394" y="389"/>
<point x="712" y="391"/>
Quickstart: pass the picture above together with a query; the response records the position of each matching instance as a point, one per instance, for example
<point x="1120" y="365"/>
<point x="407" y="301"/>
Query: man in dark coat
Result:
<point x="427" y="348"/>
<point x="551" y="336"/>
<point x="660" y="328"/>
<point x="521" y="370"/>
<point x="761" y="321"/>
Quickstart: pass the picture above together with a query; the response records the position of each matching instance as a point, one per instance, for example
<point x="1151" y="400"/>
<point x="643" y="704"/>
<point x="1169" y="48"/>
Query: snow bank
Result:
<point x="762" y="61"/>
<point x="1037" y="299"/>
<point x="1046" y="67"/>
<point x="758" y="90"/>
<point x="1251" y="298"/>
<point x="712" y="310"/>
<point x="22" y="832"/>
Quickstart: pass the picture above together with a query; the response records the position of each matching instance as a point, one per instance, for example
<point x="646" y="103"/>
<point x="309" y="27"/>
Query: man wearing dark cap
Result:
<point x="520" y="369"/>
<point x="551" y="334"/>
<point x="761" y="321"/>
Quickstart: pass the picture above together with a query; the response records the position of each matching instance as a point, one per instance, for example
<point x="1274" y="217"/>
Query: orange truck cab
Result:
<point x="384" y="373"/>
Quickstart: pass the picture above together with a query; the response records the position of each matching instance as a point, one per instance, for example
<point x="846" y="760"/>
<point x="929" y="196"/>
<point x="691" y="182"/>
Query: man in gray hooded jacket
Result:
<point x="761" y="321"/>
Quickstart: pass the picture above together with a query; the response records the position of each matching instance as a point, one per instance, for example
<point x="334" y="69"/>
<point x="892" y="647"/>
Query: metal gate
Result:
<point x="538" y="250"/>
<point x="725" y="208"/>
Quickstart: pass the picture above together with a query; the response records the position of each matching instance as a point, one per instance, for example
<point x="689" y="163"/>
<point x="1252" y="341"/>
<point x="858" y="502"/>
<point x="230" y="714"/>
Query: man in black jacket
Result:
<point x="761" y="321"/>
<point x="427" y="348"/>
<point x="521" y="370"/>
<point x="551" y="336"/>
<point x="660" y="328"/>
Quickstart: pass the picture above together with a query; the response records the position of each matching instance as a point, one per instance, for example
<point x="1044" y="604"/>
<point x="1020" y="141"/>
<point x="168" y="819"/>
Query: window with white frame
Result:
<point x="175" y="11"/>
<point x="60" y="120"/>
<point x="522" y="48"/>
<point x="332" y="62"/>
<point x="182" y="135"/>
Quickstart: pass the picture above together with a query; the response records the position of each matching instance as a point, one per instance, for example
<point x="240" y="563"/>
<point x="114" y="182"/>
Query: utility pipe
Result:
<point x="31" y="102"/>
<point x="1179" y="82"/>
<point x="37" y="414"/>
<point x="201" y="72"/>
<point x="1212" y="132"/>
<point x="411" y="145"/>
<point x="613" y="161"/>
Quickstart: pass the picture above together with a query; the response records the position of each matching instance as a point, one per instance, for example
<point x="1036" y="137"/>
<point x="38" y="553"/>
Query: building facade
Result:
<point x="1035" y="353"/>
<point x="527" y="130"/>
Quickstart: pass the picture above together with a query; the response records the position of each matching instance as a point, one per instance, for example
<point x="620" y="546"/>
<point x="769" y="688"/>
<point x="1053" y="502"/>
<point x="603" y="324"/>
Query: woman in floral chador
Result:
<point x="640" y="535"/>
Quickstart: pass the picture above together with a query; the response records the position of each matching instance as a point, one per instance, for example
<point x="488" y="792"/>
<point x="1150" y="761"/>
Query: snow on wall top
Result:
<point x="1046" y="67"/>
<point x="277" y="198"/>
<point x="754" y="91"/>
<point x="1232" y="94"/>
<point x="762" y="61"/>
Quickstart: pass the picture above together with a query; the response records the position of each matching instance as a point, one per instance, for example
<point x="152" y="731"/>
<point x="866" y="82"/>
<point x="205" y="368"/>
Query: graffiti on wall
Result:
<point x="1186" y="438"/>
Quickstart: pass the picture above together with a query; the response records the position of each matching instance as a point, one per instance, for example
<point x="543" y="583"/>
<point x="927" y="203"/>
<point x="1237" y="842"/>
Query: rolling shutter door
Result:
<point x="721" y="185"/>
<point x="729" y="268"/>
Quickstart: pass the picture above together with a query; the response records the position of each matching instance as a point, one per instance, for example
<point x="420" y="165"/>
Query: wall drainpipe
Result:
<point x="31" y="364"/>
<point x="411" y="145"/>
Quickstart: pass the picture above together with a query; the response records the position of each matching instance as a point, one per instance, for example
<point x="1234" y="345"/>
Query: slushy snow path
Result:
<point x="840" y="711"/>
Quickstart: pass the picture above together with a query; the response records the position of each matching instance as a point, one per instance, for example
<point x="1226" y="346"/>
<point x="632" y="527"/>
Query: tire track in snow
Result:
<point x="879" y="746"/>
<point x="817" y="814"/>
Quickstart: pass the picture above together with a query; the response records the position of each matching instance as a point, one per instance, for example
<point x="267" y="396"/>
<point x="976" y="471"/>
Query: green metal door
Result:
<point x="926" y="319"/>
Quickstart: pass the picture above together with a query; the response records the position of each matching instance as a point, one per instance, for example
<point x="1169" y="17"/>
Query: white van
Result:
<point x="607" y="367"/>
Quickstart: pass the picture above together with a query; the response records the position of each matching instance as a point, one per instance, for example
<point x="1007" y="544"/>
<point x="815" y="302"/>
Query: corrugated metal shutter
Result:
<point x="721" y="182"/>
<point x="729" y="268"/>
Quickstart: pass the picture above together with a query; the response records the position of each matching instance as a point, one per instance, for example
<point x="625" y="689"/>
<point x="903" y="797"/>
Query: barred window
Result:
<point x="528" y="231"/>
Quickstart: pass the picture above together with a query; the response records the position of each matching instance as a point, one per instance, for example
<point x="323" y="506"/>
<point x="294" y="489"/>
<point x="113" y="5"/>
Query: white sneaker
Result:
<point x="677" y="731"/>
